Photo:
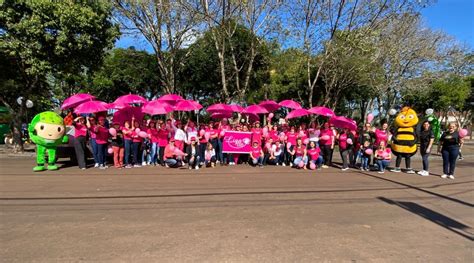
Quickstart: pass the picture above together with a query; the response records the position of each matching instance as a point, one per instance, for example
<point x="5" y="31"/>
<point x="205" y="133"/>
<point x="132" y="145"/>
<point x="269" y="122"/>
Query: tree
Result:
<point x="167" y="25"/>
<point x="126" y="71"/>
<point x="40" y="40"/>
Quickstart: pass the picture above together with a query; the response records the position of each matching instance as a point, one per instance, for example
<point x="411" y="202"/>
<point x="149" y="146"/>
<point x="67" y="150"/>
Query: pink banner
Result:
<point x="237" y="142"/>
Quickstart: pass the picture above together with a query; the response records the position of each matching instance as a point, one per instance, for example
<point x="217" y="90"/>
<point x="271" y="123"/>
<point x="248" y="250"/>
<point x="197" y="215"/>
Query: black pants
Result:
<point x="80" y="149"/>
<point x="137" y="155"/>
<point x="162" y="155"/>
<point x="450" y="155"/>
<point x="346" y="157"/>
<point x="327" y="154"/>
<point x="398" y="161"/>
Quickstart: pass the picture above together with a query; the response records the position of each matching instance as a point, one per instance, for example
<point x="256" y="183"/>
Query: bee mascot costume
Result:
<point x="404" y="138"/>
<point x="47" y="130"/>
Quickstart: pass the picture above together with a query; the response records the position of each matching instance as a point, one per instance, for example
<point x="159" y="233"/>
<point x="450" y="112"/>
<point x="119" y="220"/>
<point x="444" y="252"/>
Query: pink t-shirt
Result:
<point x="299" y="151"/>
<point x="213" y="133"/>
<point x="292" y="136"/>
<point x="384" y="154"/>
<point x="126" y="136"/>
<point x="329" y="133"/>
<point x="153" y="132"/>
<point x="257" y="135"/>
<point x="80" y="130"/>
<point x="92" y="132"/>
<point x="343" y="141"/>
<point x="256" y="151"/>
<point x="313" y="153"/>
<point x="102" y="135"/>
<point x="273" y="134"/>
<point x="162" y="137"/>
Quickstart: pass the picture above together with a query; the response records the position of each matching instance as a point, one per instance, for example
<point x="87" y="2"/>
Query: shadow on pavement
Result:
<point x="423" y="190"/>
<point x="435" y="217"/>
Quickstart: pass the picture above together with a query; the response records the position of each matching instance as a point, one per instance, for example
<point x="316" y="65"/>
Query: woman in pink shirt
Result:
<point x="153" y="135"/>
<point x="383" y="156"/>
<point x="163" y="135"/>
<point x="91" y="123"/>
<point x="203" y="129"/>
<point x="127" y="142"/>
<point x="102" y="137"/>
<point x="257" y="133"/>
<point x="223" y="127"/>
<point x="136" y="143"/>
<point x="80" y="133"/>
<point x="313" y="153"/>
<point x="326" y="142"/>
<point x="299" y="154"/>
<point x="291" y="137"/>
<point x="256" y="155"/>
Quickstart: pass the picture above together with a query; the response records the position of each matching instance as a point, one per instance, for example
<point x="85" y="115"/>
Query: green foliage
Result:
<point x="126" y="71"/>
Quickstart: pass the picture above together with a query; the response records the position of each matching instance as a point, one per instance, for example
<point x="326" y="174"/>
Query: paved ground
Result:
<point x="241" y="214"/>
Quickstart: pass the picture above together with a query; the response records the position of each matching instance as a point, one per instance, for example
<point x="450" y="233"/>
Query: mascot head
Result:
<point x="48" y="126"/>
<point x="406" y="118"/>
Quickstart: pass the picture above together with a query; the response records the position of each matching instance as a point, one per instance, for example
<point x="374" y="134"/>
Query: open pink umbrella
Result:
<point x="187" y="105"/>
<point x="117" y="106"/>
<point x="221" y="115"/>
<point x="255" y="109"/>
<point x="270" y="105"/>
<point x="91" y="107"/>
<point x="236" y="108"/>
<point x="156" y="107"/>
<point x="291" y="104"/>
<point x="297" y="113"/>
<point x="130" y="99"/>
<point x="127" y="113"/>
<point x="343" y="122"/>
<point x="171" y="99"/>
<point x="219" y="107"/>
<point x="253" y="117"/>
<point x="75" y="100"/>
<point x="323" y="111"/>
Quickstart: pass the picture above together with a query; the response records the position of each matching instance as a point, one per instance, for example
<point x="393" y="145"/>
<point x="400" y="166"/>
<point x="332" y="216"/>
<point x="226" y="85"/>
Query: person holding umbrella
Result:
<point x="80" y="134"/>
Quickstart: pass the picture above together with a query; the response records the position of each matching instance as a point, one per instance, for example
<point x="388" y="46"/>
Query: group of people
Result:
<point x="171" y="143"/>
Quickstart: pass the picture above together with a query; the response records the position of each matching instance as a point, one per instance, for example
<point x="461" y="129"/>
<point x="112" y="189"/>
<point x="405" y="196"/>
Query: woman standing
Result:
<point x="136" y="143"/>
<point x="326" y="142"/>
<point x="449" y="144"/>
<point x="102" y="137"/>
<point x="426" y="137"/>
<point x="80" y="133"/>
<point x="127" y="142"/>
<point x="346" y="141"/>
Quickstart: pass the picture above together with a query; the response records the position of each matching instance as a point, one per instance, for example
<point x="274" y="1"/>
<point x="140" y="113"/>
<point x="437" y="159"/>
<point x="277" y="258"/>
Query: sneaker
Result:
<point x="283" y="164"/>
<point x="197" y="168"/>
<point x="128" y="166"/>
<point x="344" y="169"/>
<point x="396" y="170"/>
<point x="213" y="165"/>
<point x="451" y="177"/>
<point x="102" y="167"/>
<point x="367" y="169"/>
<point x="425" y="173"/>
<point x="410" y="171"/>
<point x="444" y="176"/>
<point x="421" y="172"/>
<point x="189" y="167"/>
<point x="261" y="166"/>
<point x="381" y="172"/>
<point x="324" y="166"/>
<point x="143" y="163"/>
<point x="83" y="168"/>
<point x="460" y="159"/>
<point x="362" y="169"/>
<point x="137" y="166"/>
<point x="96" y="165"/>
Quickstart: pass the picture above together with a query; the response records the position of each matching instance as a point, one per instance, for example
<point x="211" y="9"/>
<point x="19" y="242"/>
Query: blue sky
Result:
<point x="455" y="17"/>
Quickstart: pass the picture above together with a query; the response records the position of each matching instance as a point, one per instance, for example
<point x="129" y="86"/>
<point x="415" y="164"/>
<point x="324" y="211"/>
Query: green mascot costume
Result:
<point x="47" y="130"/>
<point x="434" y="123"/>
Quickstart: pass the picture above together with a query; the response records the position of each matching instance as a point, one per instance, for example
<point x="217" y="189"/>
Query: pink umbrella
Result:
<point x="127" y="113"/>
<point x="236" y="108"/>
<point x="117" y="106"/>
<point x="219" y="107"/>
<point x="252" y="116"/>
<point x="297" y="113"/>
<point x="171" y="99"/>
<point x="91" y="107"/>
<point x="187" y="105"/>
<point x="255" y="109"/>
<point x="290" y="104"/>
<point x="221" y="115"/>
<point x="156" y="107"/>
<point x="343" y="122"/>
<point x="323" y="111"/>
<point x="270" y="105"/>
<point x="75" y="100"/>
<point x="130" y="99"/>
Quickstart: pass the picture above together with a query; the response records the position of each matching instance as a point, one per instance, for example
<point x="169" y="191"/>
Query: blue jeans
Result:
<point x="424" y="157"/>
<point x="172" y="163"/>
<point x="450" y="155"/>
<point x="202" y="150"/>
<point x="101" y="150"/>
<point x="258" y="161"/>
<point x="136" y="154"/>
<point x="318" y="162"/>
<point x="383" y="164"/>
<point x="94" y="150"/>
<point x="364" y="162"/>
<point x="153" y="157"/>
<point x="220" y="156"/>
<point x="299" y="159"/>
<point x="128" y="146"/>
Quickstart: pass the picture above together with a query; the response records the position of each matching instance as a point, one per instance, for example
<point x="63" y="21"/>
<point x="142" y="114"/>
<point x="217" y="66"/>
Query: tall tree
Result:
<point x="43" y="39"/>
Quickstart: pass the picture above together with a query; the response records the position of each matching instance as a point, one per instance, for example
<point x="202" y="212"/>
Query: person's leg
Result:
<point x="380" y="165"/>
<point x="424" y="157"/>
<point x="116" y="150"/>
<point x="95" y="151"/>
<point x="398" y="161"/>
<point x="220" y="155"/>
<point x="297" y="160"/>
<point x="445" y="155"/>
<point x="330" y="152"/>
<point x="79" y="143"/>
<point x="135" y="152"/>
<point x="260" y="160"/>
<point x="171" y="162"/>
<point x="126" y="158"/>
<point x="100" y="154"/>
<point x="351" y="157"/>
<point x="52" y="158"/>
<point x="121" y="151"/>
<point x="453" y="156"/>
<point x="202" y="150"/>
<point x="408" y="163"/>
<point x="345" y="159"/>
<point x="161" y="150"/>
<point x="40" y="151"/>
<point x="385" y="163"/>
<point x="319" y="161"/>
<point x="153" y="153"/>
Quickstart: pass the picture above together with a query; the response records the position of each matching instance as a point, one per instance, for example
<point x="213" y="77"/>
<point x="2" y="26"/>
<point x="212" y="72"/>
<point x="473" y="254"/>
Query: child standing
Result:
<point x="117" y="146"/>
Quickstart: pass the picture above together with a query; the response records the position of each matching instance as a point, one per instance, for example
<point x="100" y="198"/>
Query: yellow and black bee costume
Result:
<point x="404" y="138"/>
